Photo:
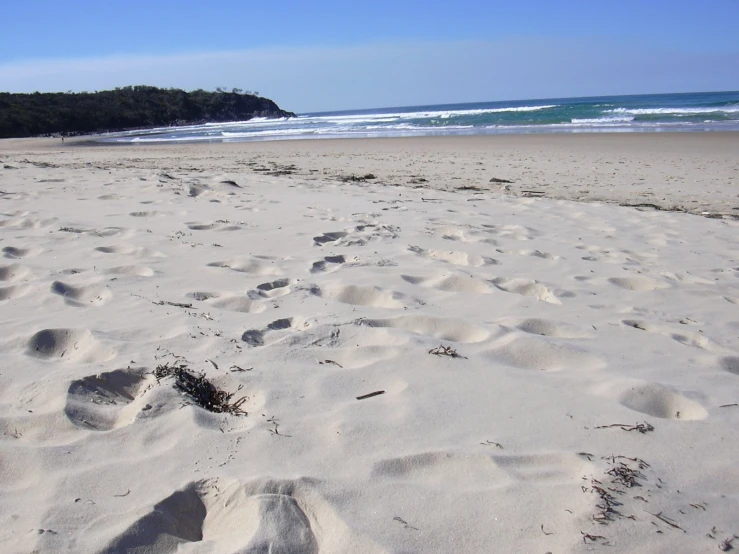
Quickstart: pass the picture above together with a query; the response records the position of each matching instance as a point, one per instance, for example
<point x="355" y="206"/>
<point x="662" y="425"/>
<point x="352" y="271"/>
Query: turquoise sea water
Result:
<point x="706" y="111"/>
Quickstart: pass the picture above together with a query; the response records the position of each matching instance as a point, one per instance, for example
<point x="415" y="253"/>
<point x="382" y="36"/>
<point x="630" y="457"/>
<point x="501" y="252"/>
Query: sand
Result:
<point x="584" y="398"/>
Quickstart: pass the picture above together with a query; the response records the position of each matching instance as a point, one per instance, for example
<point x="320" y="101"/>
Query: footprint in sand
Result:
<point x="453" y="257"/>
<point x="81" y="296"/>
<point x="13" y="291"/>
<point x="329" y="264"/>
<point x="638" y="283"/>
<point x="249" y="303"/>
<point x="549" y="328"/>
<point x="68" y="345"/>
<point x="274" y="289"/>
<point x="354" y="357"/>
<point x="326" y="238"/>
<point x="227" y="516"/>
<point x="215" y="226"/>
<point x="453" y="233"/>
<point x="127" y="250"/>
<point x="451" y="283"/>
<point x="730" y="364"/>
<point x="108" y="400"/>
<point x="528" y="352"/>
<point x="22" y="222"/>
<point x="513" y="231"/>
<point x="121" y="232"/>
<point x="687" y="338"/>
<point x="453" y="330"/>
<point x="13" y="272"/>
<point x="362" y="296"/>
<point x="202" y="296"/>
<point x="253" y="266"/>
<point x="467" y="471"/>
<point x="17" y="253"/>
<point x="275" y="331"/>
<point x="145" y="214"/>
<point x="243" y="304"/>
<point x="525" y="287"/>
<point x="118" y="249"/>
<point x="131" y="271"/>
<point x="531" y="253"/>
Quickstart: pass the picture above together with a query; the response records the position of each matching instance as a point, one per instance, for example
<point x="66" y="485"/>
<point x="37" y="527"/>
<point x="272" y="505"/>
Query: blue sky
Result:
<point x="323" y="55"/>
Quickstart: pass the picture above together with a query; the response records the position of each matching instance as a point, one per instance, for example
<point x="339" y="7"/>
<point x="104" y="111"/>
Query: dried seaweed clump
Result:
<point x="201" y="391"/>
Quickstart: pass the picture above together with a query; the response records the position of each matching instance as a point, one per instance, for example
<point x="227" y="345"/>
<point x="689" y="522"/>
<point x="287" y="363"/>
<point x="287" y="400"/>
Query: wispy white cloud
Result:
<point x="395" y="74"/>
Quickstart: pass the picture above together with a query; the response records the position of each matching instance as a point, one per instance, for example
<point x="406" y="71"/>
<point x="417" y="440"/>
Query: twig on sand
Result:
<point x="468" y="187"/>
<point x="237" y="369"/>
<point x="442" y="350"/>
<point x="542" y="530"/>
<point x="230" y="182"/>
<point x="643" y="428"/>
<point x="654" y="207"/>
<point x="592" y="538"/>
<point x="728" y="405"/>
<point x="175" y="304"/>
<point x="331" y="362"/>
<point x="122" y="495"/>
<point x="665" y="519"/>
<point x="404" y="523"/>
<point x="371" y="394"/>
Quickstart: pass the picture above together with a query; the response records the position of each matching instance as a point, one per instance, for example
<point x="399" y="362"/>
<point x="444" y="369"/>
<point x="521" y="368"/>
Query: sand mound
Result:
<point x="83" y="295"/>
<point x="242" y="304"/>
<point x="454" y="330"/>
<point x="657" y="401"/>
<point x="362" y="296"/>
<point x="13" y="272"/>
<point x="548" y="328"/>
<point x="527" y="352"/>
<point x="70" y="345"/>
<point x="731" y="364"/>
<point x="525" y="287"/>
<point x="251" y="266"/>
<point x="12" y="291"/>
<point x="638" y="283"/>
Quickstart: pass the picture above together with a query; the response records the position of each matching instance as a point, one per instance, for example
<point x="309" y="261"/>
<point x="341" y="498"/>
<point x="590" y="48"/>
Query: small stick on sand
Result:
<point x="331" y="362"/>
<point x="442" y="350"/>
<point x="370" y="395"/>
<point x="672" y="524"/>
<point x="593" y="538"/>
<point x="237" y="369"/>
<point x="175" y="304"/>
<point x="641" y="427"/>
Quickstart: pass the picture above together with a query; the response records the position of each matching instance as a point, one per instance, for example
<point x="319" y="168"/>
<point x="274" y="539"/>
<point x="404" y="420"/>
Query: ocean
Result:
<point x="705" y="111"/>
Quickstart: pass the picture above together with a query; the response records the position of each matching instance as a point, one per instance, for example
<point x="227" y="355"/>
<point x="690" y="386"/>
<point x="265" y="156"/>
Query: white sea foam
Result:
<point x="440" y="114"/>
<point x="601" y="120"/>
<point x="732" y="108"/>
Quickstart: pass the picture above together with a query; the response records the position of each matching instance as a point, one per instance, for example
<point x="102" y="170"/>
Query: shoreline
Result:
<point x="693" y="172"/>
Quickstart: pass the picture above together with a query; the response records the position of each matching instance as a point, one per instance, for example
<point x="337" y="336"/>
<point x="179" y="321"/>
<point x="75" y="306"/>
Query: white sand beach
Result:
<point x="558" y="373"/>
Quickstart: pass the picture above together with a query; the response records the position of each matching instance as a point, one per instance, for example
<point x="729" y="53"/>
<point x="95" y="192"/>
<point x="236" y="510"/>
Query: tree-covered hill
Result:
<point x="26" y="115"/>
